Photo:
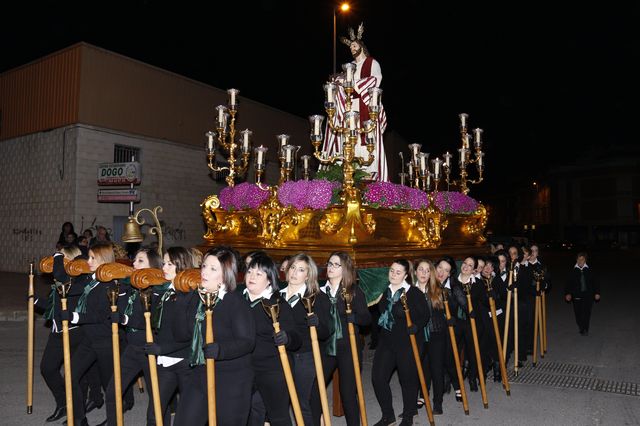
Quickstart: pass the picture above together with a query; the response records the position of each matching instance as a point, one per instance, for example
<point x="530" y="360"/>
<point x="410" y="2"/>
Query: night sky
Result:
<point x="543" y="81"/>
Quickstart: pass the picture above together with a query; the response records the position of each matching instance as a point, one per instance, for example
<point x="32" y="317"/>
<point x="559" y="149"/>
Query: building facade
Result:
<point x="63" y="115"/>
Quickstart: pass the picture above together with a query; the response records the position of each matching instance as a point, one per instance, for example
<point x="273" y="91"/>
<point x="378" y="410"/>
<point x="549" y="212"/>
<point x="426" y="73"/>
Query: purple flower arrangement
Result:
<point x="302" y="194"/>
<point x="393" y="196"/>
<point x="455" y="202"/>
<point x="242" y="196"/>
<point x="318" y="195"/>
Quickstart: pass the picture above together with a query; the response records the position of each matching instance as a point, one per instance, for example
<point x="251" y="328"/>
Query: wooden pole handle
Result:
<point x="476" y="346"/>
<point x="322" y="386"/>
<point x="456" y="358"/>
<point x="291" y="386"/>
<point x="117" y="374"/>
<point x="211" y="372"/>
<point x="496" y="331"/>
<point x="416" y="358"/>
<point x="153" y="372"/>
<point x="30" y="342"/>
<point x="66" y="350"/>
<point x="356" y="370"/>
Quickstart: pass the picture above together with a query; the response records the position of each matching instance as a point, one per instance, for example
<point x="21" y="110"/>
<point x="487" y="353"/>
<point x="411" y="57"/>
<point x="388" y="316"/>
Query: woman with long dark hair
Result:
<point x="341" y="277"/>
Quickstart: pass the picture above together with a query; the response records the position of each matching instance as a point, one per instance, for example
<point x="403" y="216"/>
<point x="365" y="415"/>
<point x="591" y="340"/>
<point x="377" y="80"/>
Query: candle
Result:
<point x="283" y="140"/>
<point x="429" y="181"/>
<point x="436" y="168"/>
<point x="465" y="141"/>
<point x="352" y="118"/>
<point x="463" y="157"/>
<point x="232" y="96"/>
<point x="305" y="162"/>
<point x="423" y="162"/>
<point x="221" y="110"/>
<point x="375" y="92"/>
<point x="316" y="123"/>
<point x="477" y="138"/>
<point x="330" y="91"/>
<point x="480" y="160"/>
<point x="349" y="68"/>
<point x="288" y="151"/>
<point x="260" y="154"/>
<point x="246" y="134"/>
<point x="463" y="120"/>
<point x="210" y="136"/>
<point x="410" y="169"/>
<point x="447" y="159"/>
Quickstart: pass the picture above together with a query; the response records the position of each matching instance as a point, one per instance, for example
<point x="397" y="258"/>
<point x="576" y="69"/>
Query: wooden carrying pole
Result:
<point x="105" y="273"/>
<point x="416" y="358"/>
<point x="354" y="356"/>
<point x="115" y="342"/>
<point x="153" y="366"/>
<point x="209" y="300"/>
<point x="66" y="350"/>
<point x="507" y="315"/>
<point x="476" y="346"/>
<point x="496" y="332"/>
<point x="273" y="311"/>
<point x="30" y="341"/>
<point x="142" y="279"/>
<point x="456" y="356"/>
<point x="515" y="324"/>
<point x="536" y="326"/>
<point x="544" y="322"/>
<point x="317" y="361"/>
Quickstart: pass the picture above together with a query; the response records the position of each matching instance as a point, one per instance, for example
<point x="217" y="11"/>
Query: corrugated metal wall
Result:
<point x="41" y="95"/>
<point x="89" y="85"/>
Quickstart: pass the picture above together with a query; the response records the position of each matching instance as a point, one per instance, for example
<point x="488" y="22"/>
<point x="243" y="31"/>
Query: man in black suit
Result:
<point x="582" y="289"/>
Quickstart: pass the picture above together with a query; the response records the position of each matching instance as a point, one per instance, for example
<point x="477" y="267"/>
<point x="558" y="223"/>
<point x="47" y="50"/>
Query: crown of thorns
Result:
<point x="353" y="36"/>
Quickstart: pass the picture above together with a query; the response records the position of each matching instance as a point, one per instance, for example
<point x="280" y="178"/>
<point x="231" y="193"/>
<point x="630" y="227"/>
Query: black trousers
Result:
<point x="304" y="375"/>
<point x="270" y="397"/>
<point x="433" y="355"/>
<point x="133" y="361"/>
<point x="464" y="338"/>
<point x="386" y="360"/>
<point x="85" y="355"/>
<point x="52" y="361"/>
<point x="582" y="310"/>
<point x="526" y="312"/>
<point x="192" y="406"/>
<point x="343" y="361"/>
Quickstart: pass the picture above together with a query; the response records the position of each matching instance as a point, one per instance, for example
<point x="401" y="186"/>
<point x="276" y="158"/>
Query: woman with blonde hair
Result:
<point x="92" y="313"/>
<point x="302" y="282"/>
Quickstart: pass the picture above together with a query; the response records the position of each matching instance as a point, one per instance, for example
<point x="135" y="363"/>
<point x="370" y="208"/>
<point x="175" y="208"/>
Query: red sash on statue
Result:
<point x="365" y="72"/>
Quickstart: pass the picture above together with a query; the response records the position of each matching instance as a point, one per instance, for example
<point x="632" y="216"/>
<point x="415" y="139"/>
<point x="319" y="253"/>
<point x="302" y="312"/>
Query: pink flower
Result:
<point x="242" y="196"/>
<point x="302" y="194"/>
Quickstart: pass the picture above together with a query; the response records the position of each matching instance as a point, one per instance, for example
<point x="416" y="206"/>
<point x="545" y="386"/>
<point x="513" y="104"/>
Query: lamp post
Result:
<point x="343" y="7"/>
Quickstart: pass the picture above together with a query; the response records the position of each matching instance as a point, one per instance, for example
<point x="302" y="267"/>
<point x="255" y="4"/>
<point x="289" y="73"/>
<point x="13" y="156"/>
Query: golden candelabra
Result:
<point x="225" y="138"/>
<point x="348" y="130"/>
<point x="464" y="157"/>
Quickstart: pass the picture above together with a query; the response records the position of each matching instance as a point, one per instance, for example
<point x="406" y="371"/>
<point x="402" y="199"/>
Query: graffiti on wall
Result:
<point x="93" y="227"/>
<point x="175" y="233"/>
<point x="26" y="234"/>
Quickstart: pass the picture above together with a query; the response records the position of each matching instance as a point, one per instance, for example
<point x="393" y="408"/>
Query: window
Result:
<point x="125" y="154"/>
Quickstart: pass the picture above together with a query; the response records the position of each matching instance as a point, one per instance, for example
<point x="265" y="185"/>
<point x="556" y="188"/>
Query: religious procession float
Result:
<point x="348" y="204"/>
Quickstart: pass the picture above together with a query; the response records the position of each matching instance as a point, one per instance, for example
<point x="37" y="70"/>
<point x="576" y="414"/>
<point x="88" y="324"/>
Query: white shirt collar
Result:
<point x="447" y="283"/>
<point x="222" y="291"/>
<point x="533" y="262"/>
<point x="472" y="279"/>
<point x="585" y="266"/>
<point x="404" y="285"/>
<point x="300" y="292"/>
<point x="266" y="293"/>
<point x="329" y="290"/>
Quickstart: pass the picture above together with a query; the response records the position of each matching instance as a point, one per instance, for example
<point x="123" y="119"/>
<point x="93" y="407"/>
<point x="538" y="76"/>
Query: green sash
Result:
<point x="82" y="301"/>
<point x="386" y="320"/>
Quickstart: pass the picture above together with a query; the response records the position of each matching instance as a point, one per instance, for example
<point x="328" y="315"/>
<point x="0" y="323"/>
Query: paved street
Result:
<point x="593" y="380"/>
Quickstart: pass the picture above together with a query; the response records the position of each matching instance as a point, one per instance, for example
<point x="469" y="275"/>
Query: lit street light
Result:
<point x="343" y="7"/>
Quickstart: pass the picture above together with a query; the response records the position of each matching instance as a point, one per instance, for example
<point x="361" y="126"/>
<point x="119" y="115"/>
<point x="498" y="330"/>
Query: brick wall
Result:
<point x="37" y="194"/>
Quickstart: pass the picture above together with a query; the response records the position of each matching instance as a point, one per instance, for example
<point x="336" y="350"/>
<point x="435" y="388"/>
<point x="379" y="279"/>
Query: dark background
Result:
<point x="545" y="82"/>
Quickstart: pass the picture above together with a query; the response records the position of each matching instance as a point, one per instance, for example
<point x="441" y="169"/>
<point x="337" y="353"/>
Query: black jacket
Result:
<point x="573" y="283"/>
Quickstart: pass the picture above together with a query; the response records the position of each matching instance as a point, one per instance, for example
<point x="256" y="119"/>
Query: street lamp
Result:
<point x="344" y="7"/>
